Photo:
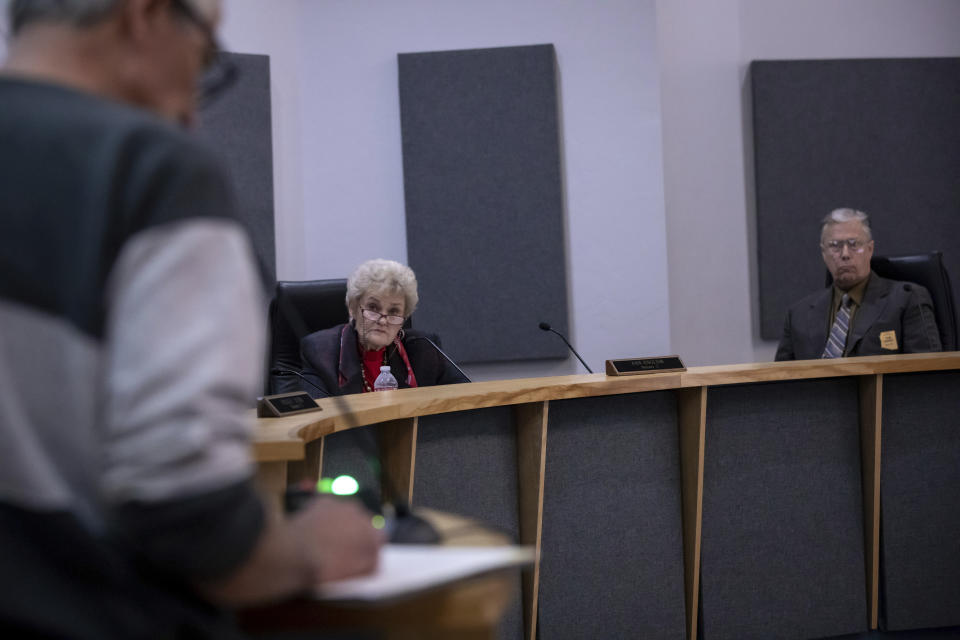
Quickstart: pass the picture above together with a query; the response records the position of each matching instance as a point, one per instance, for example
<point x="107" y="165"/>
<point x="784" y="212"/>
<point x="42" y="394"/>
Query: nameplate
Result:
<point x="285" y="404"/>
<point x="638" y="366"/>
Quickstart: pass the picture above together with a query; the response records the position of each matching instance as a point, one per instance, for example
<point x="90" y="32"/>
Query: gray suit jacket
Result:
<point x="888" y="305"/>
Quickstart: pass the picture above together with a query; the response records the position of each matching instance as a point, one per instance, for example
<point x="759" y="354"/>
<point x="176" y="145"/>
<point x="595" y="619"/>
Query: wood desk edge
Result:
<point x="277" y="439"/>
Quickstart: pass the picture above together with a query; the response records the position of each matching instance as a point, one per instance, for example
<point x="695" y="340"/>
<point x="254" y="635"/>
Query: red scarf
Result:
<point x="371" y="361"/>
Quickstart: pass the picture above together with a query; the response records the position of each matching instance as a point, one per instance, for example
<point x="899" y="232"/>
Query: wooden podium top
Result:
<point x="465" y="608"/>
<point x="278" y="439"/>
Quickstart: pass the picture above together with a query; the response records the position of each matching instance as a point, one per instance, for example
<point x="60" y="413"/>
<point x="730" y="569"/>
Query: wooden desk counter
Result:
<point x="276" y="439"/>
<point x="604" y="417"/>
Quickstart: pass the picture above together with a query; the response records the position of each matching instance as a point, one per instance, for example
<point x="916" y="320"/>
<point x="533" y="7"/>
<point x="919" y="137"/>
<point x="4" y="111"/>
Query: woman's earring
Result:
<point x="400" y="334"/>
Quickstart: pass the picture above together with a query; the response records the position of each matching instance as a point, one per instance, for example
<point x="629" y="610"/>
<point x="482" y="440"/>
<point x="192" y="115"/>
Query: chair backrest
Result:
<point x="299" y="308"/>
<point x="927" y="270"/>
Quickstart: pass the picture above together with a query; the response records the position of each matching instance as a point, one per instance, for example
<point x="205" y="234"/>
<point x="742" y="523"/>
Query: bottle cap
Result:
<point x="385" y="368"/>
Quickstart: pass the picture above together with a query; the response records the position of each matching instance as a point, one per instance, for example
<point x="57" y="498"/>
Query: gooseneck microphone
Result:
<point x="291" y="372"/>
<point x="404" y="527"/>
<point x="441" y="352"/>
<point x="546" y="327"/>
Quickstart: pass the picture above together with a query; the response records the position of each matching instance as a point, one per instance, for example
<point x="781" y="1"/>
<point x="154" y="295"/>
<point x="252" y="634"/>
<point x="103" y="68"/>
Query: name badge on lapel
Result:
<point x="888" y="340"/>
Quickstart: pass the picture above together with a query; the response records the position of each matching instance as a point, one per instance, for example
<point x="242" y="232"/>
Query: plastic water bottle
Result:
<point x="385" y="381"/>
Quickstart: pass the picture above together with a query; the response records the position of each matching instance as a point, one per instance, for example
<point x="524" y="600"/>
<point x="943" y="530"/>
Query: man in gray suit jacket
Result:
<point x="862" y="314"/>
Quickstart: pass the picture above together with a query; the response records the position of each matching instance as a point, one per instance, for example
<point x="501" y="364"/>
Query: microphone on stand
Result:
<point x="290" y="372"/>
<point x="404" y="526"/>
<point x="441" y="352"/>
<point x="546" y="327"/>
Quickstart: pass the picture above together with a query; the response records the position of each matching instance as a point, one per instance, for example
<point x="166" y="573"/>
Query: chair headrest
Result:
<point x="300" y="308"/>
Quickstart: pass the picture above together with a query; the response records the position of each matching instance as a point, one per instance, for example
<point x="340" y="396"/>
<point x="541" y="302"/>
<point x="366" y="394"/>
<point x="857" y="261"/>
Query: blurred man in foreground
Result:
<point x="862" y="314"/>
<point x="130" y="343"/>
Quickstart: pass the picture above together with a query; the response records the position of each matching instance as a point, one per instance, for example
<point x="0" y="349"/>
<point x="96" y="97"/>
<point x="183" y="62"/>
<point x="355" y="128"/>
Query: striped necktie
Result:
<point x="838" y="332"/>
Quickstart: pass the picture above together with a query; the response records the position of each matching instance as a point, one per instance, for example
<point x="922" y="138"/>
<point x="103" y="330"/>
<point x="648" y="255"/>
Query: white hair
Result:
<point x="845" y="215"/>
<point x="382" y="277"/>
<point x="81" y="13"/>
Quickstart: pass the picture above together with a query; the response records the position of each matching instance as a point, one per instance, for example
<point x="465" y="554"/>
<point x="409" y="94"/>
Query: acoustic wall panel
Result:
<point x="484" y="199"/>
<point x="237" y="126"/>
<point x="782" y="553"/>
<point x="920" y="501"/>
<point x="878" y="135"/>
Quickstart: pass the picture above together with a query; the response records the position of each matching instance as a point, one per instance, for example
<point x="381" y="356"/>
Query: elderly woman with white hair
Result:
<point x="381" y="295"/>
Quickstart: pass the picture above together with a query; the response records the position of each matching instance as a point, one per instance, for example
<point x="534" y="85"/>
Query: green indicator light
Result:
<point x="325" y="485"/>
<point x="379" y="522"/>
<point x="344" y="486"/>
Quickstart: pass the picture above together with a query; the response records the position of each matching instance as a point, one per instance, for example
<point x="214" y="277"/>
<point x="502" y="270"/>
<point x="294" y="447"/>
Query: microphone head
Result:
<point x="545" y="326"/>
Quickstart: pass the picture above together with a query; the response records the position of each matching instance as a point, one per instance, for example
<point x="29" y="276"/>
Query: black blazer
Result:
<point x="320" y="353"/>
<point x="888" y="305"/>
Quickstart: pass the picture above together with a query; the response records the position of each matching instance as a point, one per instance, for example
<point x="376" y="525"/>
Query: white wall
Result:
<point x="704" y="52"/>
<point x="272" y="28"/>
<point x="348" y="132"/>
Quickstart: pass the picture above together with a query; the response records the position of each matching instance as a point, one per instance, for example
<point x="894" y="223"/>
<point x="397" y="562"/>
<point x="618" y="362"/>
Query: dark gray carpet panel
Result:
<point x="942" y="633"/>
<point x="920" y="500"/>
<point x="612" y="549"/>
<point x="467" y="464"/>
<point x="484" y="199"/>
<point x="237" y="126"/>
<point x="782" y="549"/>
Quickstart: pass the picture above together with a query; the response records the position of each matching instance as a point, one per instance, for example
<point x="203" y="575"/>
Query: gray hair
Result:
<point x="845" y="215"/>
<point x="79" y="13"/>
<point x="383" y="277"/>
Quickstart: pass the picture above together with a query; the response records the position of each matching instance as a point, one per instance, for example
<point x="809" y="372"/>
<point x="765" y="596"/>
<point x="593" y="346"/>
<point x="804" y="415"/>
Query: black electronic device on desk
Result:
<point x="638" y="366"/>
<point x="286" y="404"/>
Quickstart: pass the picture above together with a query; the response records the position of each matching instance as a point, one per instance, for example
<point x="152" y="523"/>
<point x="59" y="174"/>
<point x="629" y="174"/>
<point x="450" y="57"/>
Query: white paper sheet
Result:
<point x="407" y="568"/>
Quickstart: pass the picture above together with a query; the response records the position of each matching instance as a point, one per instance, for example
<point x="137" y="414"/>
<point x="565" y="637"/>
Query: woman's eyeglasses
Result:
<point x="374" y="316"/>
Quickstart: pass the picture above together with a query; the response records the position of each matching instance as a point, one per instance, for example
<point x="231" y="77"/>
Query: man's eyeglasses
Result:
<point x="220" y="73"/>
<point x="836" y="246"/>
<point x="374" y="316"/>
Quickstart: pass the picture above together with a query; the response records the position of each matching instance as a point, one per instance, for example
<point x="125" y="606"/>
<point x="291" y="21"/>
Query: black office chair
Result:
<point x="298" y="309"/>
<point x="927" y="270"/>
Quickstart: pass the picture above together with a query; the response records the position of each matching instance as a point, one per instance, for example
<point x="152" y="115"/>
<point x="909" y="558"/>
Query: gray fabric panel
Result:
<point x="467" y="464"/>
<point x="920" y="500"/>
<point x="612" y="548"/>
<point x="878" y="135"/>
<point x="484" y="202"/>
<point x="782" y="550"/>
<point x="944" y="633"/>
<point x="237" y="126"/>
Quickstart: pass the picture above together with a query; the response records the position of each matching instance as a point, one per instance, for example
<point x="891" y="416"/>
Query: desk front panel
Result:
<point x="467" y="464"/>
<point x="612" y="553"/>
<point x="783" y="549"/>
<point x="920" y="500"/>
